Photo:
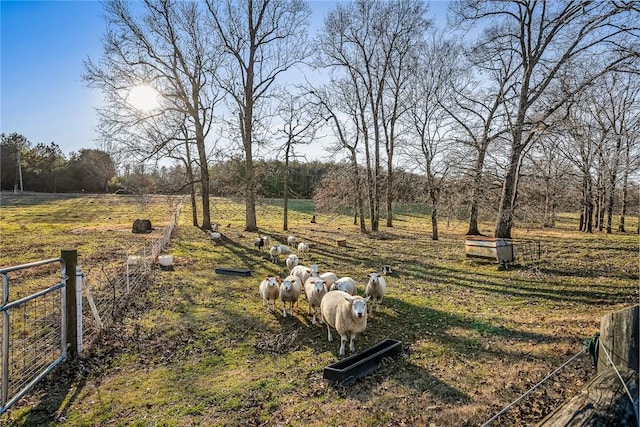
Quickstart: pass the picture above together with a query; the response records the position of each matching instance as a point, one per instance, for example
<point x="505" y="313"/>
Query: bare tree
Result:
<point x="544" y="40"/>
<point x="371" y="43"/>
<point x="428" y="121"/>
<point x="578" y="137"/>
<point x="619" y="111"/>
<point x="479" y="116"/>
<point x="166" y="45"/>
<point x="631" y="160"/>
<point x="550" y="170"/>
<point x="262" y="40"/>
<point x="403" y="35"/>
<point x="343" y="109"/>
<point x="299" y="126"/>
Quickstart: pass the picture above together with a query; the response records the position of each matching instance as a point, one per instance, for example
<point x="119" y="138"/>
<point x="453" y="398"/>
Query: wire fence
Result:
<point x="105" y="291"/>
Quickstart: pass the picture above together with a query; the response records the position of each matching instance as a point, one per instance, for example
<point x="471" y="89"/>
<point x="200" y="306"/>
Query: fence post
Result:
<point x="79" y="276"/>
<point x="619" y="335"/>
<point x="70" y="258"/>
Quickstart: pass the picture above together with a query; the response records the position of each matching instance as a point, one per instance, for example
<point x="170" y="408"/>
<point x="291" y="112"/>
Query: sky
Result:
<point x="42" y="48"/>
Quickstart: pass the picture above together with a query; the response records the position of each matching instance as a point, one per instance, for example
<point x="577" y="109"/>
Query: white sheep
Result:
<point x="278" y="250"/>
<point x="328" y="277"/>
<point x="315" y="289"/>
<point x="291" y="240"/>
<point x="215" y="236"/>
<point x="302" y="272"/>
<point x="290" y="290"/>
<point x="292" y="261"/>
<point x="270" y="291"/>
<point x="346" y="284"/>
<point x="345" y="313"/>
<point x="376" y="288"/>
<point x="303" y="248"/>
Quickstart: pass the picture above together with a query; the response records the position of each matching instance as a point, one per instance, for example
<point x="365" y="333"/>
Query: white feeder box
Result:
<point x="165" y="260"/>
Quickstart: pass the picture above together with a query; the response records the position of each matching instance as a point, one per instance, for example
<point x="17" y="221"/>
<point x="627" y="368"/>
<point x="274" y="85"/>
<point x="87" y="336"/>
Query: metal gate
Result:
<point x="33" y="332"/>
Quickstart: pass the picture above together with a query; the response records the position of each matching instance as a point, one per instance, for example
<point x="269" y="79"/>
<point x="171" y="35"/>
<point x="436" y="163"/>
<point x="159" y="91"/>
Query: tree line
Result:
<point x="505" y="93"/>
<point x="44" y="168"/>
<point x="556" y="187"/>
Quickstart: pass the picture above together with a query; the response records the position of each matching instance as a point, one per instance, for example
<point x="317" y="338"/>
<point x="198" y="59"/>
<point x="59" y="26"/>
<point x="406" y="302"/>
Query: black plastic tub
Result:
<point x="233" y="271"/>
<point x="348" y="370"/>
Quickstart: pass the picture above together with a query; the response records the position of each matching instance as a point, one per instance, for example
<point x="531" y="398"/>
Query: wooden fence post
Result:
<point x="619" y="335"/>
<point x="70" y="258"/>
<point x="604" y="398"/>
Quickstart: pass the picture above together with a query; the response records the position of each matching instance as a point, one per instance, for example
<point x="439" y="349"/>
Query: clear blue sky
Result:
<point x="43" y="45"/>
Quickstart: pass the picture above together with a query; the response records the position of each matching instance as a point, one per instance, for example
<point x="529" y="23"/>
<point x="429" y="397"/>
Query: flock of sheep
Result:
<point x="334" y="300"/>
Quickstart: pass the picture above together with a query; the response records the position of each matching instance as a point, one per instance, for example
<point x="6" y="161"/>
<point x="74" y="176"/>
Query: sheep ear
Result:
<point x="367" y="299"/>
<point x="350" y="299"/>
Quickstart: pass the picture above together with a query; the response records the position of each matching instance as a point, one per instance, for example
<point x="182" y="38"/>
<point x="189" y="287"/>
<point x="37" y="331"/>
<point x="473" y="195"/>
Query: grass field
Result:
<point x="198" y="348"/>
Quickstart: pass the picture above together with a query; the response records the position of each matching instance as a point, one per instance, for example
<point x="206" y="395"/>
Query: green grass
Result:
<point x="191" y="349"/>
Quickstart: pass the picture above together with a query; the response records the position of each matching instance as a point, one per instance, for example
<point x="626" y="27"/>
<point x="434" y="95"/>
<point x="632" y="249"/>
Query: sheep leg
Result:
<point x="329" y="337"/>
<point x="352" y="344"/>
<point x="343" y="342"/>
<point x="284" y="309"/>
<point x="313" y="321"/>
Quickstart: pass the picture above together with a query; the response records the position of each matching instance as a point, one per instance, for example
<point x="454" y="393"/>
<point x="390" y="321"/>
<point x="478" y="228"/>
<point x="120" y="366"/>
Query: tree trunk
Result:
<point x="250" y="197"/>
<point x="434" y="214"/>
<point x="246" y="123"/>
<point x="610" y="205"/>
<point x="370" y="184"/>
<point x="204" y="177"/>
<point x="475" y="196"/>
<point x="613" y="175"/>
<point x="625" y="189"/>
<point x="285" y="196"/>
<point x="547" y="199"/>
<point x="586" y="222"/>
<point x="358" y="190"/>
<point x="509" y="194"/>
<point x="389" y="193"/>
<point x="192" y="186"/>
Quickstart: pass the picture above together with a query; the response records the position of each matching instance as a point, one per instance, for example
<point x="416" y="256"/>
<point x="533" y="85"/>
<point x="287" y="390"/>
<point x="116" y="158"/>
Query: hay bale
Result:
<point x="141" y="226"/>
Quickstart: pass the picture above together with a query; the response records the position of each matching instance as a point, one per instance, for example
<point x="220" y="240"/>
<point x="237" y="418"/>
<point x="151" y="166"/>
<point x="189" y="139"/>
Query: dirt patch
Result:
<point x="126" y="228"/>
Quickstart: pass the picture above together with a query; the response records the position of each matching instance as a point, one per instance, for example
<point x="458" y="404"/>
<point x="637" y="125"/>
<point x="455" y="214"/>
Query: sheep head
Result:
<point x="358" y="306"/>
<point x="320" y="285"/>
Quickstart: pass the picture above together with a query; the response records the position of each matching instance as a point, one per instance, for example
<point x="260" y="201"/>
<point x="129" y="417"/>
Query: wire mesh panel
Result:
<point x="527" y="251"/>
<point x="33" y="326"/>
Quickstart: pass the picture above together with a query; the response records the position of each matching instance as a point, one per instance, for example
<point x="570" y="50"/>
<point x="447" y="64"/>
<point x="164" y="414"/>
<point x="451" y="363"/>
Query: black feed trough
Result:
<point x="233" y="271"/>
<point x="348" y="370"/>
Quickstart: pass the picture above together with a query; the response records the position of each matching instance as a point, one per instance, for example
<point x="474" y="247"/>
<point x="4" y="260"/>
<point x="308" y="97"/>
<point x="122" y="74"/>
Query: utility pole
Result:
<point x="18" y="175"/>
